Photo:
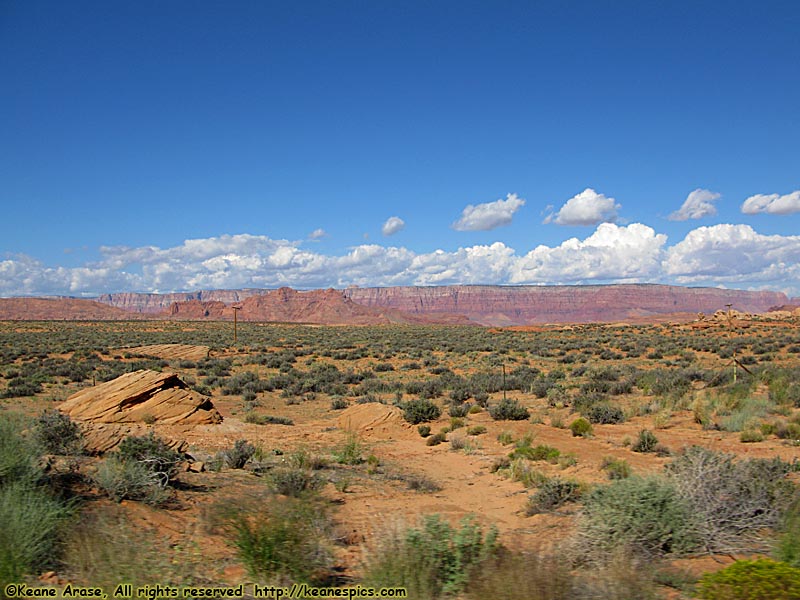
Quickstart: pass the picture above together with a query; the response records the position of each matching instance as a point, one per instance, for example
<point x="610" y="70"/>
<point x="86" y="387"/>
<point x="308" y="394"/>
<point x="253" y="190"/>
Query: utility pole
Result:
<point x="730" y="336"/>
<point x="236" y="310"/>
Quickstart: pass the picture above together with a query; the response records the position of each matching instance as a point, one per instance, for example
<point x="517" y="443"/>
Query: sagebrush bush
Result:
<point x="56" y="433"/>
<point x="509" y="410"/>
<point x="294" y="482"/>
<point x="605" y="414"/>
<point x="734" y="500"/>
<point x="760" y="579"/>
<point x="420" y="411"/>
<point x="131" y="480"/>
<point x="552" y="494"/>
<point x="237" y="457"/>
<point x="150" y="451"/>
<point x="645" y="515"/>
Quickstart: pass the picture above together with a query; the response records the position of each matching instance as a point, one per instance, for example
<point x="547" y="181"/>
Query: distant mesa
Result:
<point x="497" y="306"/>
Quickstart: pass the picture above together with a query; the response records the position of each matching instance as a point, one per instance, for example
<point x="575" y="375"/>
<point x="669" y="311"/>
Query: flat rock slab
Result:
<point x="141" y="397"/>
<point x="171" y="351"/>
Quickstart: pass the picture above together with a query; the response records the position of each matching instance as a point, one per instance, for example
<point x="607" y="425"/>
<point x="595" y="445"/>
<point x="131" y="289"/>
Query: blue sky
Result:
<point x="168" y="146"/>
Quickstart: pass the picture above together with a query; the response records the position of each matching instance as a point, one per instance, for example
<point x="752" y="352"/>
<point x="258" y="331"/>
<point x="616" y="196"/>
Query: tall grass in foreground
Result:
<point x="31" y="515"/>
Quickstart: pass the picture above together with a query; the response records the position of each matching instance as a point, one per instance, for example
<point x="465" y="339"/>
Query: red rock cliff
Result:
<point x="522" y="305"/>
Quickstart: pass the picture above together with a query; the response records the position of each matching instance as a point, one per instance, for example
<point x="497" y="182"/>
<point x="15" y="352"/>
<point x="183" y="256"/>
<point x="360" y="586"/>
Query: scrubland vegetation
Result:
<point x="642" y="446"/>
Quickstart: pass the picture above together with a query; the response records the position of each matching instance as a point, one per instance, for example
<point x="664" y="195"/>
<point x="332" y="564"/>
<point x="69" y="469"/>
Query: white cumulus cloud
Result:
<point x="733" y="254"/>
<point x="392" y="226"/>
<point x="317" y="234"/>
<point x="586" y="208"/>
<point x="774" y="204"/>
<point x="632" y="253"/>
<point x="698" y="204"/>
<point x="483" y="217"/>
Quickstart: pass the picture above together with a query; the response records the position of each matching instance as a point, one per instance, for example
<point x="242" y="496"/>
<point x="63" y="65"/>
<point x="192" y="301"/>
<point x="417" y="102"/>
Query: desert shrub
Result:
<point x="750" y="436"/>
<point x="646" y="516"/>
<point x="509" y="410"/>
<point x="646" y="442"/>
<point x="421" y="483"/>
<point x="539" y="452"/>
<point x="252" y="417"/>
<point x="522" y="577"/>
<point x="56" y="433"/>
<point x="552" y="494"/>
<point x="287" y="541"/>
<point x="734" y="501"/>
<point x="476" y="430"/>
<point x="760" y="579"/>
<point x="294" y="481"/>
<point x="431" y="561"/>
<point x="338" y="404"/>
<point x="616" y="468"/>
<point x="237" y="457"/>
<point x="151" y="452"/>
<point x="424" y="430"/>
<point x="349" y="452"/>
<point x="580" y="427"/>
<point x="436" y="439"/>
<point x="605" y="414"/>
<point x="131" y="480"/>
<point x="459" y="410"/>
<point x="420" y="411"/>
